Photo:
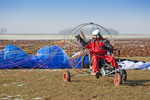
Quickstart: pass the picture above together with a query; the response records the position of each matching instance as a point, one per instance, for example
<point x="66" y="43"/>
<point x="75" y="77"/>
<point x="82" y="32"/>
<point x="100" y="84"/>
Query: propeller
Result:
<point x="82" y="53"/>
<point x="83" y="36"/>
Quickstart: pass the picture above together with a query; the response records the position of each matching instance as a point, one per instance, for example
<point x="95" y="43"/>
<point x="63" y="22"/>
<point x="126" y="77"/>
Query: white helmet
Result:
<point x="96" y="32"/>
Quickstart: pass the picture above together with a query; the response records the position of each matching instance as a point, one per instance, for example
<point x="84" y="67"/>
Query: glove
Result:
<point x="78" y="37"/>
<point x="104" y="48"/>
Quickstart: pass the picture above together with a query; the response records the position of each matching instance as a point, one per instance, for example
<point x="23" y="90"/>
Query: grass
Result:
<point x="40" y="84"/>
<point x="48" y="85"/>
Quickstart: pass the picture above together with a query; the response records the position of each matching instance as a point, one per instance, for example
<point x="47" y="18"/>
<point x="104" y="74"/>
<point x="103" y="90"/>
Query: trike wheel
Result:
<point x="66" y="76"/>
<point x="117" y="79"/>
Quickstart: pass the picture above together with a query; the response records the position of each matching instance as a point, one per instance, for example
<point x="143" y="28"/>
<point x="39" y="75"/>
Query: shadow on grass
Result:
<point x="92" y="81"/>
<point x="137" y="82"/>
<point x="80" y="81"/>
<point x="128" y="82"/>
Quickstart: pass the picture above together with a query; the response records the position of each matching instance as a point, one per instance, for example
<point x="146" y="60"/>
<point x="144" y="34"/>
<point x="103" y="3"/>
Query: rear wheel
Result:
<point x="117" y="79"/>
<point x="66" y="76"/>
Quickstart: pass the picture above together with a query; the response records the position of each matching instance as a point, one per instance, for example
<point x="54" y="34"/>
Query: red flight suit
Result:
<point x="98" y="53"/>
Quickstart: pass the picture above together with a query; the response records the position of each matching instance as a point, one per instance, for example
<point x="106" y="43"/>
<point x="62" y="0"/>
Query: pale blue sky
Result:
<point x="52" y="16"/>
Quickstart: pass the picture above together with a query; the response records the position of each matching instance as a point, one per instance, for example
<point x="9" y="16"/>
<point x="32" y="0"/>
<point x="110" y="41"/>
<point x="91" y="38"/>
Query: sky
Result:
<point x="52" y="16"/>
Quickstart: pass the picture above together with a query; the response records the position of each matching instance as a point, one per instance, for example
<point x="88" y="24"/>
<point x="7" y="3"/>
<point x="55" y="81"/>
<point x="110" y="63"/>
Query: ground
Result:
<point x="128" y="47"/>
<point x="40" y="84"/>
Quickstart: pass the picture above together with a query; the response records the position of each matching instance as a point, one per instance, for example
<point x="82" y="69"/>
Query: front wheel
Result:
<point x="117" y="79"/>
<point x="66" y="76"/>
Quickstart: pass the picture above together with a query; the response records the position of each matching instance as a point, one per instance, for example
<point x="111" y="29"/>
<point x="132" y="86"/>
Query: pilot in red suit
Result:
<point x="98" y="46"/>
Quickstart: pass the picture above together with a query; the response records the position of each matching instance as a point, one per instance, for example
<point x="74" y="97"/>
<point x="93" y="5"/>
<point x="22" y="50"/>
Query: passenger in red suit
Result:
<point x="98" y="47"/>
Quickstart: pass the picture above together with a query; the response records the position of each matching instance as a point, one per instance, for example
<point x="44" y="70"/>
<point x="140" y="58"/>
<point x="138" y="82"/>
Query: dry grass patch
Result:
<point x="49" y="85"/>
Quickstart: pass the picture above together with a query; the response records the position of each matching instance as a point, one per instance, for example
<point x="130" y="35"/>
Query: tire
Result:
<point x="117" y="79"/>
<point x="124" y="75"/>
<point x="66" y="76"/>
